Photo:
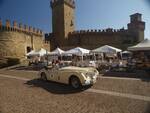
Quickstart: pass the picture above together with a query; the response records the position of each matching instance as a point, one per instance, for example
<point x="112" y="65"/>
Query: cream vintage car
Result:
<point x="74" y="76"/>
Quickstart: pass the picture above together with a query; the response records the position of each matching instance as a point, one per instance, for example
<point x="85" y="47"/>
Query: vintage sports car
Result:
<point x="74" y="76"/>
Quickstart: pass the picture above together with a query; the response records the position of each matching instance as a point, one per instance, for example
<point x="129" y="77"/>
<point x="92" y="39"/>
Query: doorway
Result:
<point x="29" y="49"/>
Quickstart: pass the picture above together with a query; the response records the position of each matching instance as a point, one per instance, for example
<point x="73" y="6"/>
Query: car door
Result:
<point x="53" y="74"/>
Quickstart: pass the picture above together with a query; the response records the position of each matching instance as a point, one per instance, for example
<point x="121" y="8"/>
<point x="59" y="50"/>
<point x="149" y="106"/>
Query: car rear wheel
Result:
<point x="43" y="77"/>
<point x="75" y="82"/>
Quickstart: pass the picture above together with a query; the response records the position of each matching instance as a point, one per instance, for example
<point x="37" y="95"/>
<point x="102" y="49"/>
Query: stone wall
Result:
<point x="14" y="44"/>
<point x="16" y="40"/>
<point x="95" y="38"/>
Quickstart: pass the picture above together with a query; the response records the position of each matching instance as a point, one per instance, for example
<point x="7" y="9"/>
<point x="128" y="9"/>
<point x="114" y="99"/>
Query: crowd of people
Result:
<point x="101" y="62"/>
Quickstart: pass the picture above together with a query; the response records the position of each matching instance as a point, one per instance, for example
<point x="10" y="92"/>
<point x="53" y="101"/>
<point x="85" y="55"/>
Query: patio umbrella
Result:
<point x="77" y="51"/>
<point x="144" y="45"/>
<point x="57" y="51"/>
<point x="106" y="49"/>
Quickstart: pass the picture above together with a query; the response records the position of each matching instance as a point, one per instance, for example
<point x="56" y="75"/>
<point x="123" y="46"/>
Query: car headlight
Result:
<point x="85" y="74"/>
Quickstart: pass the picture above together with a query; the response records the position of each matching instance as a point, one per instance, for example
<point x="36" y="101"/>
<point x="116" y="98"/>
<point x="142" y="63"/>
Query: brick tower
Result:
<point x="136" y="27"/>
<point x="62" y="20"/>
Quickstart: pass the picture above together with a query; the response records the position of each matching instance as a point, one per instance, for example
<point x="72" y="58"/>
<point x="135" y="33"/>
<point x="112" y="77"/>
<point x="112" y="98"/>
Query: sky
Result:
<point x="89" y="14"/>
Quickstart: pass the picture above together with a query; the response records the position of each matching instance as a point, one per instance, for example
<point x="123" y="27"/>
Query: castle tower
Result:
<point x="62" y="20"/>
<point x="136" y="27"/>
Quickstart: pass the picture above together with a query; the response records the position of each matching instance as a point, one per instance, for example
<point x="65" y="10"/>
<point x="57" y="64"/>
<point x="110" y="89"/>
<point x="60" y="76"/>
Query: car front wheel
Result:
<point x="75" y="82"/>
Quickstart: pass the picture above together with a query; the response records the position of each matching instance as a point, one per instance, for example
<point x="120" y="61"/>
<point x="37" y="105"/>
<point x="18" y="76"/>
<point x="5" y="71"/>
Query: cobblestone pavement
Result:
<point x="23" y="94"/>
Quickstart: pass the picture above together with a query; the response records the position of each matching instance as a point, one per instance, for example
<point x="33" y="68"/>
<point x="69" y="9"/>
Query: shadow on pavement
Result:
<point x="26" y="68"/>
<point x="54" y="87"/>
<point x="148" y="108"/>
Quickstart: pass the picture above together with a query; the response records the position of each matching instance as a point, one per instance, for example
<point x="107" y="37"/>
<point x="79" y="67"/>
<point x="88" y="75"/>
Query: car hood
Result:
<point x="72" y="68"/>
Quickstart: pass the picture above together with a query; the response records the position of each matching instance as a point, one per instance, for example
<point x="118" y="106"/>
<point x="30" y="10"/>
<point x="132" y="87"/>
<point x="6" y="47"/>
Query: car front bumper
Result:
<point x="90" y="80"/>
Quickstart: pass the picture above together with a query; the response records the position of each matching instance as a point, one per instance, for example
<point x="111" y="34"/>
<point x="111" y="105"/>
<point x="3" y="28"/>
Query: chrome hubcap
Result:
<point x="75" y="83"/>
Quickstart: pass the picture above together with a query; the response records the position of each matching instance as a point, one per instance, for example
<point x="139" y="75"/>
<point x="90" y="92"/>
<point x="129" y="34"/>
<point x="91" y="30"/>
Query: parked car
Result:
<point x="74" y="76"/>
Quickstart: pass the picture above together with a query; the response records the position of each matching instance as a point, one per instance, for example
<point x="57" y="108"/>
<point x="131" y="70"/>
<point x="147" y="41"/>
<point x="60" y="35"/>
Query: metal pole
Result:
<point x="47" y="57"/>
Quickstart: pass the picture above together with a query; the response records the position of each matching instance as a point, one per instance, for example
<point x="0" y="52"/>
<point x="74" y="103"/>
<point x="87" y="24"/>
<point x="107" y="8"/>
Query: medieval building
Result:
<point x="65" y="36"/>
<point x="17" y="40"/>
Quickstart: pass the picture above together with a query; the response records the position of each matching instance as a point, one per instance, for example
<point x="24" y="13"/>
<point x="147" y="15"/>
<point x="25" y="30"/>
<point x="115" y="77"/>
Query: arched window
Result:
<point x="71" y="23"/>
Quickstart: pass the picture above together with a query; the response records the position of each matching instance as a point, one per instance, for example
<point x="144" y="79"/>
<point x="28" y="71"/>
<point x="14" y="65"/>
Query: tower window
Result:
<point x="71" y="23"/>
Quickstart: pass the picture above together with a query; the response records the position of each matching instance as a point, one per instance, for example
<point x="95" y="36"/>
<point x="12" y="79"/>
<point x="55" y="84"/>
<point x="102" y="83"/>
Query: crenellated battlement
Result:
<point x="54" y="3"/>
<point x="103" y="31"/>
<point x="46" y="42"/>
<point x="47" y="35"/>
<point x="19" y="28"/>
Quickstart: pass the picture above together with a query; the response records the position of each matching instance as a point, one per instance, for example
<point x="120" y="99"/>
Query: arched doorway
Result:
<point x="29" y="49"/>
